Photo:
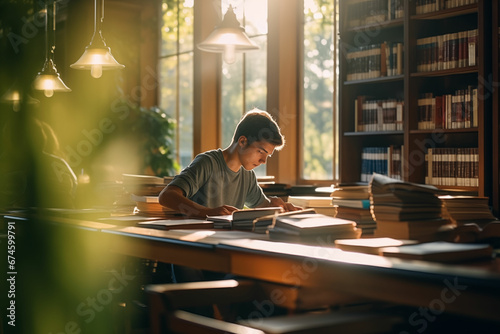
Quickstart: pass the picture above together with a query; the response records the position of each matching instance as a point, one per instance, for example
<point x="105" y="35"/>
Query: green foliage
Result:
<point x="153" y="132"/>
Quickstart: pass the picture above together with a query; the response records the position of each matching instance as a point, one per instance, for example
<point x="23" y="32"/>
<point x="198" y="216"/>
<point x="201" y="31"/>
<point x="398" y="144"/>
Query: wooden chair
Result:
<point x="172" y="305"/>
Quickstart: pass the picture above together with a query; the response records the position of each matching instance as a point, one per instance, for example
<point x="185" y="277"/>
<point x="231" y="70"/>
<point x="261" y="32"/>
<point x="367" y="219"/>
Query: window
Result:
<point x="319" y="91"/>
<point x="244" y="82"/>
<point x="176" y="72"/>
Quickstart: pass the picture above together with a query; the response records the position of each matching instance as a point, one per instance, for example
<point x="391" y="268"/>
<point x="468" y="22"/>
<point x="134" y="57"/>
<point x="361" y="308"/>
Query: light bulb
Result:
<point x="96" y="71"/>
<point x="229" y="53"/>
<point x="16" y="106"/>
<point x="48" y="92"/>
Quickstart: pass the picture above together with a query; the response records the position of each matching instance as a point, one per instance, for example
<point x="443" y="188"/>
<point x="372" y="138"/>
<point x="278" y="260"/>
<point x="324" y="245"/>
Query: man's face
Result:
<point x="255" y="154"/>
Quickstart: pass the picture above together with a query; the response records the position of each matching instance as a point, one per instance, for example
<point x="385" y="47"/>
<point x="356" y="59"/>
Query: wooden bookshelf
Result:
<point x="461" y="79"/>
<point x="495" y="52"/>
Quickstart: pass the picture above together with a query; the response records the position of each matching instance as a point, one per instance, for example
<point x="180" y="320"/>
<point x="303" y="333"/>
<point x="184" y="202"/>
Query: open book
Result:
<point x="242" y="219"/>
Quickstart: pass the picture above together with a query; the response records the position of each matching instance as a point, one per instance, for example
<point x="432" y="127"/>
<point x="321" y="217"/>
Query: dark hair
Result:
<point x="258" y="125"/>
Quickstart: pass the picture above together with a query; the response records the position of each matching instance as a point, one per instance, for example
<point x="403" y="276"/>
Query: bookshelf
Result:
<point x="495" y="42"/>
<point x="441" y="84"/>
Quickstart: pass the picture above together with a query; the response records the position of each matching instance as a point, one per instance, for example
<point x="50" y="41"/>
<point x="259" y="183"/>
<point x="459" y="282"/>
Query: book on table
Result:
<point x="467" y="209"/>
<point x="370" y="245"/>
<point x="242" y="219"/>
<point x="312" y="228"/>
<point x="441" y="251"/>
<point x="150" y="206"/>
<point x="177" y="224"/>
<point x="347" y="191"/>
<point x="351" y="203"/>
<point x="145" y="185"/>
<point x="310" y="201"/>
<point x="422" y="230"/>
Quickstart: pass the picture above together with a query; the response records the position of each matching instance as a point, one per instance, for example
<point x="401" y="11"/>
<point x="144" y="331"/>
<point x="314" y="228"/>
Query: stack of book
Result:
<point x="352" y="203"/>
<point x="312" y="228"/>
<point x="461" y="210"/>
<point x="405" y="210"/>
<point x="145" y="185"/>
<point x="150" y="206"/>
<point x="320" y="204"/>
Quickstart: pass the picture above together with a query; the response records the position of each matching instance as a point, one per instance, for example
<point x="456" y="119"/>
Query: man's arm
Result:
<point x="174" y="198"/>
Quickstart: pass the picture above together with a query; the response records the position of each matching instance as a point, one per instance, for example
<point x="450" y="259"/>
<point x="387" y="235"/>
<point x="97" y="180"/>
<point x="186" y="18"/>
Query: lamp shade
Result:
<point x="96" y="59"/>
<point x="49" y="80"/>
<point x="228" y="38"/>
<point x="97" y="56"/>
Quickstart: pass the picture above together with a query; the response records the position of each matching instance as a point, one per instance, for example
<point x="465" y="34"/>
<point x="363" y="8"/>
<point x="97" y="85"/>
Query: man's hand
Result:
<point x="276" y="201"/>
<point x="220" y="211"/>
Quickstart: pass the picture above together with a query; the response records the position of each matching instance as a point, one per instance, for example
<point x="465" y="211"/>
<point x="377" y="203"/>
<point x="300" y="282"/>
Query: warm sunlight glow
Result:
<point x="198" y="235"/>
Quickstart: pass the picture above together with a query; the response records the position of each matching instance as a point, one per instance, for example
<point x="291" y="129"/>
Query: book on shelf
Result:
<point x="374" y="61"/>
<point x="242" y="219"/>
<point x="367" y="12"/>
<point x="429" y="6"/>
<point x="452" y="167"/>
<point x="312" y="228"/>
<point x="457" y="111"/>
<point x="370" y="245"/>
<point x="447" y="51"/>
<point x="441" y="251"/>
<point x="382" y="160"/>
<point x="378" y="115"/>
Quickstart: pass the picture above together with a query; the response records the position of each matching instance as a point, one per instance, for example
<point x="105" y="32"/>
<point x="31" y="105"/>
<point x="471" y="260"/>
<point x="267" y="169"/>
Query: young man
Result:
<point x="219" y="182"/>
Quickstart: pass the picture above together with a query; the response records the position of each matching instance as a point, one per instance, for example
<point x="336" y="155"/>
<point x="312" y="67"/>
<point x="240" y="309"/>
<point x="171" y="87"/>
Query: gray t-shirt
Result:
<point x="209" y="181"/>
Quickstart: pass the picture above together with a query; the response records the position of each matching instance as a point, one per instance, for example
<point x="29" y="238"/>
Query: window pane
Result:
<point x="319" y="72"/>
<point x="169" y="28"/>
<point x="185" y="123"/>
<point x="256" y="76"/>
<point x="177" y="29"/>
<point x="176" y="72"/>
<point x="232" y="98"/>
<point x="168" y="84"/>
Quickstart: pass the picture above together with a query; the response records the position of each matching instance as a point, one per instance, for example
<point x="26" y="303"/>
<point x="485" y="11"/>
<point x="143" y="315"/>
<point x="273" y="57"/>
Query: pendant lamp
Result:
<point x="97" y="56"/>
<point x="15" y="97"/>
<point x="228" y="38"/>
<point x="48" y="79"/>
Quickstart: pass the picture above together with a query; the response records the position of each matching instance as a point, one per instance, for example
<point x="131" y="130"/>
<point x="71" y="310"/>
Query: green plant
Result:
<point x="153" y="132"/>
